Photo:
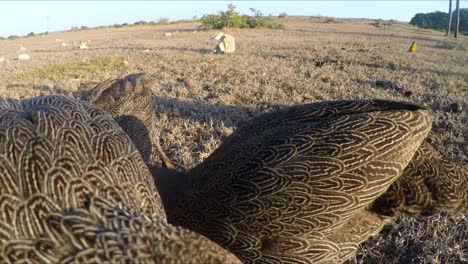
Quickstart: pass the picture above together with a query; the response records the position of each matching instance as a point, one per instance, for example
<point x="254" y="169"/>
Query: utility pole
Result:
<point x="450" y="19"/>
<point x="458" y="19"/>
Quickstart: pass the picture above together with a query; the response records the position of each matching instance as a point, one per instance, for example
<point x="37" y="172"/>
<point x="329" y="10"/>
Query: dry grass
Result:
<point x="202" y="97"/>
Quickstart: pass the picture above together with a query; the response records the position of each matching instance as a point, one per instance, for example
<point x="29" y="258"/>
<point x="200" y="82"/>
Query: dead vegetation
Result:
<point x="202" y="97"/>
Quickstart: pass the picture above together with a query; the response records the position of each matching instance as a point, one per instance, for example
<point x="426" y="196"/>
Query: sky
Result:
<point x="22" y="17"/>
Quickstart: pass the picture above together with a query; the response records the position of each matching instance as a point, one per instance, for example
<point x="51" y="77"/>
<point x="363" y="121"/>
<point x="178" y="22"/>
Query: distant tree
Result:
<point x="30" y="34"/>
<point x="439" y="20"/>
<point x="13" y="37"/>
<point x="283" y="15"/>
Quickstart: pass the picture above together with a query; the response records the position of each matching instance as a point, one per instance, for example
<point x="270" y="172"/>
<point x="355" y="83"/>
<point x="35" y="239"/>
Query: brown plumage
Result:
<point x="294" y="185"/>
<point x="130" y="101"/>
<point x="429" y="184"/>
<point x="74" y="189"/>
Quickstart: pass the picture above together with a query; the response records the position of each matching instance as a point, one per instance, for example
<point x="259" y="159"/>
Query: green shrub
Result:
<point x="232" y="19"/>
<point x="141" y="22"/>
<point x="30" y="34"/>
<point x="13" y="37"/>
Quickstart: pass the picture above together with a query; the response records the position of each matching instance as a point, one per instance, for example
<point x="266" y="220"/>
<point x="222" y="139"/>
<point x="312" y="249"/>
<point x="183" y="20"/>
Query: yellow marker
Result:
<point x="412" y="48"/>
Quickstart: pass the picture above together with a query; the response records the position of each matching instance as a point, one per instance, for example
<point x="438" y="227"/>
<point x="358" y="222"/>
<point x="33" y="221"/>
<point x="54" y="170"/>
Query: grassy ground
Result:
<point x="202" y="97"/>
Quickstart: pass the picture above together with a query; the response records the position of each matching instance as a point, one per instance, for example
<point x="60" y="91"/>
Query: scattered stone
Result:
<point x="226" y="43"/>
<point x="168" y="34"/>
<point x="83" y="45"/>
<point x="397" y="86"/>
<point x="456" y="107"/>
<point x="2" y="59"/>
<point x="23" y="57"/>
<point x="146" y="51"/>
<point x="22" y="48"/>
<point x="63" y="44"/>
<point x="126" y="63"/>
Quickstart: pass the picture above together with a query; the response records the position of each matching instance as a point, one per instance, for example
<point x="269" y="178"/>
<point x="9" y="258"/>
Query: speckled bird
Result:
<point x="130" y="101"/>
<point x="74" y="189"/>
<point x="296" y="185"/>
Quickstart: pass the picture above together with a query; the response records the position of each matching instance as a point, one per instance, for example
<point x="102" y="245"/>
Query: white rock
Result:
<point x="63" y="44"/>
<point x="23" y="57"/>
<point x="226" y="43"/>
<point x="146" y="51"/>
<point x="2" y="59"/>
<point x="22" y="48"/>
<point x="83" y="45"/>
<point x="168" y="34"/>
<point x="126" y="63"/>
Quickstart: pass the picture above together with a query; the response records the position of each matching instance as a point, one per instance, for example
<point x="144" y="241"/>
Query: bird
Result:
<point x="130" y="101"/>
<point x="412" y="48"/>
<point x="74" y="189"/>
<point x="429" y="184"/>
<point x="295" y="185"/>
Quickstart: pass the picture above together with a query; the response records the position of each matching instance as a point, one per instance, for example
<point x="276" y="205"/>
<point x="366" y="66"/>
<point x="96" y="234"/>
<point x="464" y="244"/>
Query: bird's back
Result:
<point x="73" y="188"/>
<point x="288" y="181"/>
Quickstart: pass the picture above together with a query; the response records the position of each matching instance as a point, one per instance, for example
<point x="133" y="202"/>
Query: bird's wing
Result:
<point x="301" y="171"/>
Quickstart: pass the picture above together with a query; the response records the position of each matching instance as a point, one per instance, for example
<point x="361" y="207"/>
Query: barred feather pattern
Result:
<point x="293" y="185"/>
<point x="429" y="184"/>
<point x="73" y="188"/>
<point x="130" y="101"/>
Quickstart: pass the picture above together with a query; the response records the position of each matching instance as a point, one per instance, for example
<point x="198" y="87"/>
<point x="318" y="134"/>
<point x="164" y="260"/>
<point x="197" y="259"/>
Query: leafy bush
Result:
<point x="283" y="15"/>
<point x="142" y="22"/>
<point x="30" y="34"/>
<point x="232" y="19"/>
<point x="13" y="37"/>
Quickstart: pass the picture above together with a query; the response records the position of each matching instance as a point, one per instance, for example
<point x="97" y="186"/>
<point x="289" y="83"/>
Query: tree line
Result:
<point x="439" y="20"/>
